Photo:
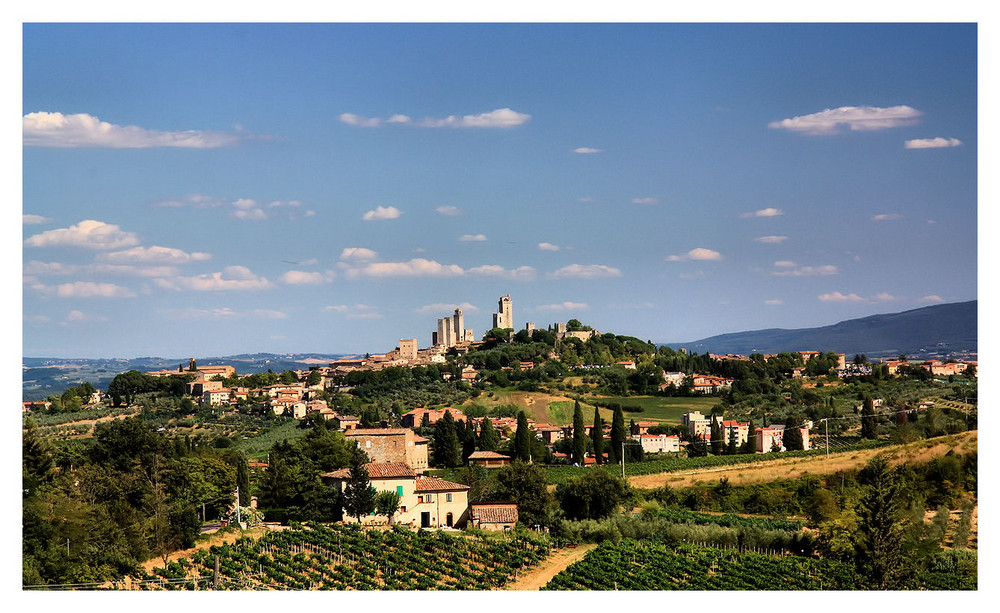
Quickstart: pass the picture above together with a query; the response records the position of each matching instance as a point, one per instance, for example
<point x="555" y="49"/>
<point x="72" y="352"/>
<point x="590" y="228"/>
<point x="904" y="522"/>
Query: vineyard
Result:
<point x="649" y="565"/>
<point x="331" y="557"/>
<point x="729" y="520"/>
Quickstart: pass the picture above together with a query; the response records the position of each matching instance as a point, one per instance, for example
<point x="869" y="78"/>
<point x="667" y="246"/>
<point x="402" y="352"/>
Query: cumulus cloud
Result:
<point x="43" y="129"/>
<point x="887" y="217"/>
<point x="36" y="268"/>
<point x="222" y="314"/>
<point x="839" y="297"/>
<point x="563" y="306"/>
<point x="548" y="247"/>
<point x="358" y="311"/>
<point x="771" y="240"/>
<point x="299" y="277"/>
<point x="521" y="273"/>
<point x="785" y="264"/>
<point x="932" y="143"/>
<point x="854" y="118"/>
<point x="84" y="289"/>
<point x="446" y="307"/>
<point x="585" y="271"/>
<point x="472" y="238"/>
<point x="358" y="253"/>
<point x="417" y="267"/>
<point x="449" y="210"/>
<point x="587" y="150"/>
<point x="153" y="255"/>
<point x="931" y="298"/>
<point x="382" y="212"/>
<point x="884" y="297"/>
<point x="89" y="234"/>
<point x="499" y="118"/>
<point x="231" y="278"/>
<point x="34" y="219"/>
<point x="698" y="253"/>
<point x="806" y="271"/>
<point x="768" y="212"/>
<point x="645" y="200"/>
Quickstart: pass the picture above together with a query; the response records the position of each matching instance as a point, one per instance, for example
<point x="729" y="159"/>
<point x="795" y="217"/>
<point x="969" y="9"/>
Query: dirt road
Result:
<point x="543" y="573"/>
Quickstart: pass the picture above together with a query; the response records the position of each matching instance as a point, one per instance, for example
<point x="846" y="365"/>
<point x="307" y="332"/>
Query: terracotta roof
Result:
<point x="376" y="470"/>
<point x="495" y="513"/>
<point x="378" y="431"/>
<point x="433" y="484"/>
<point x="488" y="455"/>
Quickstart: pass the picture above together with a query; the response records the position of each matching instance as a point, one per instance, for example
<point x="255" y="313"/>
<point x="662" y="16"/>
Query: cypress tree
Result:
<point x="880" y="542"/>
<point x="447" y="452"/>
<point x="717" y="441"/>
<point x="359" y="495"/>
<point x="579" y="435"/>
<point x="751" y="444"/>
<point x="597" y="436"/>
<point x="791" y="437"/>
<point x="489" y="439"/>
<point x="617" y="436"/>
<point x="868" y="419"/>
<point x="522" y="439"/>
<point x="469" y="442"/>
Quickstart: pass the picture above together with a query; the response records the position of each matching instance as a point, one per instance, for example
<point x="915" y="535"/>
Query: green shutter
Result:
<point x="399" y="490"/>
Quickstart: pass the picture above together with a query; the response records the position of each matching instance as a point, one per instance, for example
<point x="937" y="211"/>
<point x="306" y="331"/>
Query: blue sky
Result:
<point x="206" y="189"/>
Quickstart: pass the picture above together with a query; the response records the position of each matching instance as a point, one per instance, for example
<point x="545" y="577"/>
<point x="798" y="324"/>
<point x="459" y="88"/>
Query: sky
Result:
<point x="210" y="189"/>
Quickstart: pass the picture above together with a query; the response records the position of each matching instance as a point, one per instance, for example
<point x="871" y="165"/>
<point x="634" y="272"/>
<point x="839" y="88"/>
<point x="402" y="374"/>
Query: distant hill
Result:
<point x="939" y="330"/>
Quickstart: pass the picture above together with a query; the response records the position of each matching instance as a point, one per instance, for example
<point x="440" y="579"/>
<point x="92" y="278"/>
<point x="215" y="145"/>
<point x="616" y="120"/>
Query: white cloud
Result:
<point x="44" y="129"/>
<point x="499" y="118"/>
<point x="884" y="297"/>
<point x="449" y="210"/>
<point x="806" y="271"/>
<point x="34" y="219"/>
<point x="768" y="212"/>
<point x="417" y="267"/>
<point x="196" y="201"/>
<point x="563" y="306"/>
<point x="472" y="238"/>
<point x="231" y="278"/>
<point x="771" y="240"/>
<point x="241" y="208"/>
<point x="88" y="233"/>
<point x="78" y="317"/>
<point x="299" y="277"/>
<point x="697" y="254"/>
<point x="84" y="289"/>
<point x="887" y="217"/>
<point x="785" y="264"/>
<point x="645" y="200"/>
<point x="382" y="212"/>
<point x="37" y="268"/>
<point x="932" y="143"/>
<point x="153" y="255"/>
<point x="931" y="298"/>
<point x="222" y="314"/>
<point x="839" y="297"/>
<point x="357" y="253"/>
<point x="521" y="273"/>
<point x="774" y="301"/>
<point x="36" y="319"/>
<point x="855" y="118"/>
<point x="358" y="311"/>
<point x="548" y="247"/>
<point x="585" y="271"/>
<point x="447" y="308"/>
<point x="587" y="150"/>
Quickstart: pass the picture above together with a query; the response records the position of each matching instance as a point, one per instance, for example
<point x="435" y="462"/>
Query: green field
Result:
<point x="655" y="408"/>
<point x="256" y="447"/>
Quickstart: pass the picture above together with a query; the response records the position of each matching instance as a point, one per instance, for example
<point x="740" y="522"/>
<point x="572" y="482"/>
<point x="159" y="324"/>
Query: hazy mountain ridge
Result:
<point x="941" y="330"/>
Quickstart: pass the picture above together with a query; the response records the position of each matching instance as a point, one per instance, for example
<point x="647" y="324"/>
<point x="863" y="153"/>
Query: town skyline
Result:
<point x="241" y="188"/>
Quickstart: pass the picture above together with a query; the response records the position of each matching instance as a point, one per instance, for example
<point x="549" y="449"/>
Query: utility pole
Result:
<point x="623" y="459"/>
<point x="237" y="504"/>
<point x="826" y="426"/>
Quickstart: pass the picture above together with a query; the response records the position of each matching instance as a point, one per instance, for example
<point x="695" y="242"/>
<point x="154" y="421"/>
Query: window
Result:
<point x="429" y="498"/>
<point x="447" y="497"/>
<point x="399" y="490"/>
<point x="420" y="498"/>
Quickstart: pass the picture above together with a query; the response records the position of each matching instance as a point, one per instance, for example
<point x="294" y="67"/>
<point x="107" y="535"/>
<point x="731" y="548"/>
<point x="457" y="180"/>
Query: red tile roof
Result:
<point x="377" y="470"/>
<point x="433" y="484"/>
<point x="495" y="513"/>
<point x="488" y="455"/>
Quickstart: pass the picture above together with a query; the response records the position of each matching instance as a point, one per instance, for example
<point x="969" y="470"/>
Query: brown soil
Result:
<point x="792" y="468"/>
<point x="537" y="577"/>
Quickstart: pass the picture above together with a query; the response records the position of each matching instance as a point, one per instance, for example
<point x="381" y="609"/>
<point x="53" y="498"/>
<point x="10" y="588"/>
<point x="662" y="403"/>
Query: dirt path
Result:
<point x="792" y="468"/>
<point x="543" y="573"/>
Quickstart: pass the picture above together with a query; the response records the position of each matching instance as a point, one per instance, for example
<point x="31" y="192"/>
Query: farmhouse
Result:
<point x="392" y="445"/>
<point x="493" y="515"/>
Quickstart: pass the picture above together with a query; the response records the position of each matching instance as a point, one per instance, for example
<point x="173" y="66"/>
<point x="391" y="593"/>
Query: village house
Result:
<point x="708" y="384"/>
<point x="488" y="459"/>
<point x="771" y="437"/>
<point x="697" y="424"/>
<point x="658" y="443"/>
<point x="549" y="434"/>
<point x="498" y="516"/>
<point x="400" y="445"/>
<point x="346" y="423"/>
<point x="642" y="427"/>
<point x="740" y="431"/>
<point x="427" y="502"/>
<point x="218" y="396"/>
